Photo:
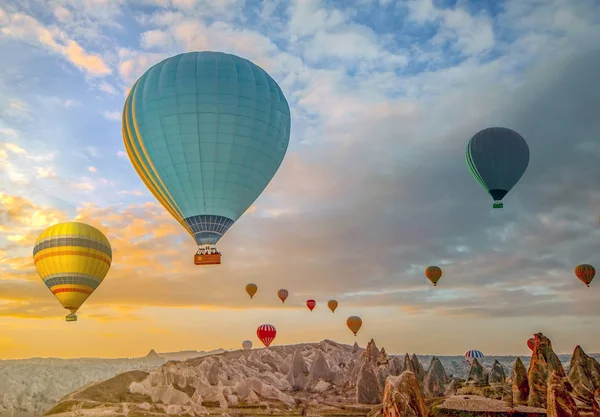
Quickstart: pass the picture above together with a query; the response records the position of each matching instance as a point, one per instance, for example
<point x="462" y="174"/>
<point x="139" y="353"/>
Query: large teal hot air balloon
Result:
<point x="206" y="132"/>
<point x="498" y="158"/>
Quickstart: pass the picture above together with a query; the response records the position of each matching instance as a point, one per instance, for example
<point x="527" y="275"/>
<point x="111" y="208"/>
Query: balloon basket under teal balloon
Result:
<point x="498" y="204"/>
<point x="208" y="255"/>
<point x="71" y="317"/>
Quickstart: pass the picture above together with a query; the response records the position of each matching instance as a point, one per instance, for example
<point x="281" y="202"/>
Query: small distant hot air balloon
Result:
<point x="433" y="274"/>
<point x="332" y="304"/>
<point x="72" y="259"/>
<point x="247" y="344"/>
<point x="251" y="290"/>
<point x="354" y="323"/>
<point x="497" y="158"/>
<point x="531" y="343"/>
<point x="472" y="354"/>
<point x="266" y="333"/>
<point x="206" y="132"/>
<point x="282" y="294"/>
<point x="585" y="273"/>
<point x="311" y="304"/>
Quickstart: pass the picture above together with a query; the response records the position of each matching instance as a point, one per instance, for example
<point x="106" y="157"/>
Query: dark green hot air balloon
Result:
<point x="497" y="158"/>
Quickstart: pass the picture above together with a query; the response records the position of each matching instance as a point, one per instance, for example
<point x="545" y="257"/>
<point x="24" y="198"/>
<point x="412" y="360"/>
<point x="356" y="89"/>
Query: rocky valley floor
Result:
<point x="332" y="379"/>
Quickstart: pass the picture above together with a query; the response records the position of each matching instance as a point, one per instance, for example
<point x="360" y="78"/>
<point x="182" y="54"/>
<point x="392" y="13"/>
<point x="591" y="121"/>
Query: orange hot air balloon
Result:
<point x="433" y="274"/>
<point x="251" y="290"/>
<point x="311" y="304"/>
<point x="354" y="323"/>
<point x="585" y="273"/>
<point x="332" y="304"/>
<point x="282" y="294"/>
<point x="531" y="343"/>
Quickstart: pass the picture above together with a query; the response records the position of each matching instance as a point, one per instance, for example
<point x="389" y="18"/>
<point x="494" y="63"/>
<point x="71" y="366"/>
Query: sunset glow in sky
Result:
<point x="384" y="97"/>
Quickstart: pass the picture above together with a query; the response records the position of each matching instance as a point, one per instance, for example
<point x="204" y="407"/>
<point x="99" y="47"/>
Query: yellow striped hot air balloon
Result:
<point x="72" y="259"/>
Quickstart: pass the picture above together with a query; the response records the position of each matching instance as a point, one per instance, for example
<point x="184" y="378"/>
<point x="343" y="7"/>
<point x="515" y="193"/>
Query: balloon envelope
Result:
<point x="472" y="354"/>
<point x="433" y="274"/>
<point x="266" y="334"/>
<point x="497" y="158"/>
<point x="206" y="132"/>
<point x="251" y="289"/>
<point x="531" y="343"/>
<point x="311" y="304"/>
<point x="247" y="345"/>
<point x="585" y="273"/>
<point x="332" y="304"/>
<point x="354" y="323"/>
<point x="72" y="259"/>
<point x="282" y="294"/>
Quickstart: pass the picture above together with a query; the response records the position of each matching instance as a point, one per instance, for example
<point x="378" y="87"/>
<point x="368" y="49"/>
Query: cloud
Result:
<point x="107" y="88"/>
<point x="30" y="30"/>
<point x="155" y="39"/>
<point x="115" y="116"/>
<point x="69" y="103"/>
<point x="131" y="192"/>
<point x="92" y="151"/>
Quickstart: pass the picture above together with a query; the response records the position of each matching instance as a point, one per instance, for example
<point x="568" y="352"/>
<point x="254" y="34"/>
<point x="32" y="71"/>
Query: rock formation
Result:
<point x="368" y="388"/>
<point x="560" y="403"/>
<point x="319" y="370"/>
<point x="355" y="348"/>
<point x="595" y="406"/>
<point x="543" y="362"/>
<point x="407" y="364"/>
<point x="477" y="375"/>
<point x="395" y="366"/>
<point x="382" y="358"/>
<point x="420" y="371"/>
<point x="403" y="397"/>
<point x="497" y="374"/>
<point x="298" y="373"/>
<point x="451" y="389"/>
<point x="520" y="383"/>
<point x="371" y="351"/>
<point x="583" y="376"/>
<point x="412" y="364"/>
<point x="435" y="381"/>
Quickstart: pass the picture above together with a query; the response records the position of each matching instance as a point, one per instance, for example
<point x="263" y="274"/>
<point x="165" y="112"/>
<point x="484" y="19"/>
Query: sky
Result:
<point x="384" y="96"/>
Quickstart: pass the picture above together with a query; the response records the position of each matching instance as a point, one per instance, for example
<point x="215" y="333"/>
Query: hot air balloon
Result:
<point x="206" y="132"/>
<point x="311" y="304"/>
<point x="266" y="333"/>
<point x="472" y="354"/>
<point x="497" y="158"/>
<point x="251" y="290"/>
<point x="332" y="304"/>
<point x="585" y="273"/>
<point x="433" y="274"/>
<point x="282" y="294"/>
<point x="531" y="343"/>
<point x="247" y="345"/>
<point x="354" y="323"/>
<point x="72" y="259"/>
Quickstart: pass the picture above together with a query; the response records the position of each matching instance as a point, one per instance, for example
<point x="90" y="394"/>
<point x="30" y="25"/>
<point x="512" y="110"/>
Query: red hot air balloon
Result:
<point x="311" y="304"/>
<point x="266" y="333"/>
<point x="531" y="343"/>
<point x="282" y="294"/>
<point x="585" y="273"/>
